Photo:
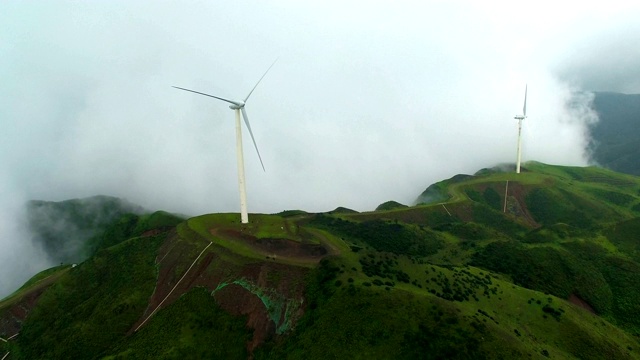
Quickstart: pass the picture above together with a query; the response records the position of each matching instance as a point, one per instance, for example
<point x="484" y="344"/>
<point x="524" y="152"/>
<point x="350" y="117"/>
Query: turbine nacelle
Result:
<point x="236" y="105"/>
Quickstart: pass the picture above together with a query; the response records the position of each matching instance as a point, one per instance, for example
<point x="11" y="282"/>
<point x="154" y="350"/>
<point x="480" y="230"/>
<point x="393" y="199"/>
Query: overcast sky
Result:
<point x="369" y="101"/>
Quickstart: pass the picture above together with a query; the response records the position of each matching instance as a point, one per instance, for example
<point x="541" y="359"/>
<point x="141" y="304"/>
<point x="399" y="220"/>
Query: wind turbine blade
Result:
<point x="215" y="97"/>
<point x="246" y="121"/>
<point x="265" y="73"/>
<point x="524" y="109"/>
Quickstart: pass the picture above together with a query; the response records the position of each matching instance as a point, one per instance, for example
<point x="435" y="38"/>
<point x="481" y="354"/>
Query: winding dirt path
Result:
<point x="174" y="287"/>
<point x="7" y="340"/>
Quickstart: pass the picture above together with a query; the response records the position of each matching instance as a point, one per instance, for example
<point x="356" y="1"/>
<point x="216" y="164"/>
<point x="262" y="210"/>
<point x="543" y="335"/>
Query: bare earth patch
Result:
<point x="574" y="299"/>
<point x="269" y="293"/>
<point x="12" y="318"/>
<point x="277" y="247"/>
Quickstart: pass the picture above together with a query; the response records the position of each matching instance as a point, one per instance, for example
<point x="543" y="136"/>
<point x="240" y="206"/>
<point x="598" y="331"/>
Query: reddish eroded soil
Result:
<point x="151" y="232"/>
<point x="11" y="319"/>
<point x="516" y="204"/>
<point x="574" y="299"/>
<point x="463" y="211"/>
<point x="277" y="247"/>
<point x="518" y="193"/>
<point x="238" y="301"/>
<point x="285" y="280"/>
<point x="211" y="270"/>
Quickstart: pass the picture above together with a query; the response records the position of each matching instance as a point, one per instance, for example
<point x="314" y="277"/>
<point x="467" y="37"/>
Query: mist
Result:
<point x="19" y="257"/>
<point x="368" y="102"/>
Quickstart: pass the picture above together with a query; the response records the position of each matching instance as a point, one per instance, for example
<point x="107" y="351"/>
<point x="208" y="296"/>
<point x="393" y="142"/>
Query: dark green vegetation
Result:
<point x="192" y="328"/>
<point x="71" y="231"/>
<point x="616" y="141"/>
<point x="342" y="210"/>
<point x="398" y="325"/>
<point x="130" y="225"/>
<point x="438" y="192"/>
<point x="85" y="312"/>
<point x="551" y="270"/>
<point x="290" y="213"/>
<point x="382" y="235"/>
<point x="390" y="205"/>
<point x="63" y="228"/>
<point x="42" y="275"/>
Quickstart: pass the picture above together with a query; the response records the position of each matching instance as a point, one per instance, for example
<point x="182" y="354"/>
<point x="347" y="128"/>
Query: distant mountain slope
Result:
<point x="542" y="264"/>
<point x="64" y="228"/>
<point x="616" y="137"/>
<point x="545" y="194"/>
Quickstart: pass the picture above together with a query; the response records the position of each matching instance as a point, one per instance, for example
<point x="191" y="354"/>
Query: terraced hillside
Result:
<point x="543" y="264"/>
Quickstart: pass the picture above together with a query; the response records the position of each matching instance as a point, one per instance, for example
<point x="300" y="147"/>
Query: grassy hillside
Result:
<point x="543" y="264"/>
<point x="63" y="228"/>
<point x="390" y="205"/>
<point x="566" y="231"/>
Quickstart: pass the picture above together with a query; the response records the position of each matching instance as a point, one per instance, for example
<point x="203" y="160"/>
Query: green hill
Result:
<point x="390" y="205"/>
<point x="543" y="264"/>
<point x="63" y="228"/>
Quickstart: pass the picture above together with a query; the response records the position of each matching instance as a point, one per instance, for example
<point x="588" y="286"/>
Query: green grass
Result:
<point x="422" y="215"/>
<point x="583" y="197"/>
<point x="203" y="224"/>
<point x="398" y="325"/>
<point x="214" y="227"/>
<point x="92" y="306"/>
<point x="66" y="229"/>
<point x="390" y="205"/>
<point x="260" y="226"/>
<point x="292" y="213"/>
<point x="405" y="321"/>
<point x="158" y="220"/>
<point x="462" y="279"/>
<point x="192" y="327"/>
<point x="51" y="273"/>
<point x="130" y="225"/>
<point x="582" y="268"/>
<point x="383" y="235"/>
<point x="624" y="236"/>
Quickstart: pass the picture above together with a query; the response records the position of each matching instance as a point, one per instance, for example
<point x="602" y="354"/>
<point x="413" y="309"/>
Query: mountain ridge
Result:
<point x="477" y="275"/>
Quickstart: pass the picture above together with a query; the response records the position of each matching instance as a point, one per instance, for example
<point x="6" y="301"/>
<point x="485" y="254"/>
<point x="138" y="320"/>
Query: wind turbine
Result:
<point x="238" y="106"/>
<point x="520" y="118"/>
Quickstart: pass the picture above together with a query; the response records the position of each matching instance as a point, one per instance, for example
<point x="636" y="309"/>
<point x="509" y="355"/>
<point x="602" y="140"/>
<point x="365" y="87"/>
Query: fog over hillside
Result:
<point x="19" y="257"/>
<point x="369" y="101"/>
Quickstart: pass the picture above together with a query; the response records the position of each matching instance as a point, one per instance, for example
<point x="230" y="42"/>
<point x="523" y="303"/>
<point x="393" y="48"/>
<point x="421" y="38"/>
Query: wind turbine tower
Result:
<point x="520" y="118"/>
<point x="238" y="106"/>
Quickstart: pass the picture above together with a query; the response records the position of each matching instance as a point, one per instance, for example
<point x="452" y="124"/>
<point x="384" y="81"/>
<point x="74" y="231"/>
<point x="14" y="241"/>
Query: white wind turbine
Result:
<point x="238" y="106"/>
<point x="520" y="118"/>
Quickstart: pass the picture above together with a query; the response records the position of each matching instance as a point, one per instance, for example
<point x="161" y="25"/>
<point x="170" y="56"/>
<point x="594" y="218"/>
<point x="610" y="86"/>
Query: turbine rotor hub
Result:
<point x="237" y="105"/>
